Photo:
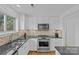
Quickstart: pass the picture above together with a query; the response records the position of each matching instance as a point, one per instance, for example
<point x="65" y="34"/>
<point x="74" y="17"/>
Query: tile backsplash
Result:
<point x="6" y="38"/>
<point x="49" y="32"/>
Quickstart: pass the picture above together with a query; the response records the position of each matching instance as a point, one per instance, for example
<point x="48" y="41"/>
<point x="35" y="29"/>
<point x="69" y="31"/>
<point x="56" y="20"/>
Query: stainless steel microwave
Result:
<point x="43" y="26"/>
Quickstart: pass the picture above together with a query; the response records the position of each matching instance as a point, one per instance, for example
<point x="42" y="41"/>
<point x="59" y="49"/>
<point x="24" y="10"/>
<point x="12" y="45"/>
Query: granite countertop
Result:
<point x="68" y="50"/>
<point x="48" y="36"/>
<point x="4" y="49"/>
<point x="16" y="44"/>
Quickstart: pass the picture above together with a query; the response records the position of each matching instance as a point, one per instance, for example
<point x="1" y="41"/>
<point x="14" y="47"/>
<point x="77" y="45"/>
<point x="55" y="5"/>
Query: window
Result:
<point x="7" y="23"/>
<point x="1" y="22"/>
<point x="10" y="23"/>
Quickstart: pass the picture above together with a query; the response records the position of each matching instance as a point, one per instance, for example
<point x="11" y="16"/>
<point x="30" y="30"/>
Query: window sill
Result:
<point x="7" y="32"/>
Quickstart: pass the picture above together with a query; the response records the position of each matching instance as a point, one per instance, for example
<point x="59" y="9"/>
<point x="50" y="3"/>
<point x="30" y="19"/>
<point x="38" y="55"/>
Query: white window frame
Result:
<point x="5" y="24"/>
<point x="5" y="20"/>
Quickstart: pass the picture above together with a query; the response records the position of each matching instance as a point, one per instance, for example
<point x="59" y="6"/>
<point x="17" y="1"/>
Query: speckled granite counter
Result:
<point x="40" y="36"/>
<point x="4" y="49"/>
<point x="68" y="50"/>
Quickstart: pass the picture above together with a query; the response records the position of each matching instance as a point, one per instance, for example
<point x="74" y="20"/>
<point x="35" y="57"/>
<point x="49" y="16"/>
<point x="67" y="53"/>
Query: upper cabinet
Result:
<point x="54" y="22"/>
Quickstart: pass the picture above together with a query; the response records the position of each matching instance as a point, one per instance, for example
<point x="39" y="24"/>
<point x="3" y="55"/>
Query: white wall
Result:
<point x="71" y="28"/>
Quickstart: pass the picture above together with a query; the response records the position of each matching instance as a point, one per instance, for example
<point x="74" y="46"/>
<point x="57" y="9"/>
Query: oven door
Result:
<point x="43" y="44"/>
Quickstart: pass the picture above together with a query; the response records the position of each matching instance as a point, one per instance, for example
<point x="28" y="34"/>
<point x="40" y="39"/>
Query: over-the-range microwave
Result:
<point x="43" y="26"/>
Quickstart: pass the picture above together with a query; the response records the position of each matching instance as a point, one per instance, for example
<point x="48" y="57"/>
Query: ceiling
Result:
<point x="42" y="9"/>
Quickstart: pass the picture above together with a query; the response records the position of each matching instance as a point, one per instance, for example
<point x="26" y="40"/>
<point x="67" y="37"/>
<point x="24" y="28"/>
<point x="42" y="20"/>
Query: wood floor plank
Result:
<point x="41" y="53"/>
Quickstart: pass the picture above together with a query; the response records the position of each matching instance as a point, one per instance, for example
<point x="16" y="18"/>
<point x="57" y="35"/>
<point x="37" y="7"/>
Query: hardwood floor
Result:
<point x="41" y="53"/>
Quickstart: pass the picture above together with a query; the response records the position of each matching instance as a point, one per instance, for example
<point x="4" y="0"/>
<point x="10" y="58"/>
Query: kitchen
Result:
<point x="39" y="29"/>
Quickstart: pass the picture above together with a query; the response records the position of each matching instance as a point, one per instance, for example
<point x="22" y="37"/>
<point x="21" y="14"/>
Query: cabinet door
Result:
<point x="33" y="44"/>
<point x="52" y="43"/>
<point x="58" y="42"/>
<point x="24" y="49"/>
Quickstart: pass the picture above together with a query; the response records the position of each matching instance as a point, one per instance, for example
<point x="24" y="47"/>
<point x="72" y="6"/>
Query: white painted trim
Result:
<point x="16" y="27"/>
<point x="5" y="19"/>
<point x="6" y="33"/>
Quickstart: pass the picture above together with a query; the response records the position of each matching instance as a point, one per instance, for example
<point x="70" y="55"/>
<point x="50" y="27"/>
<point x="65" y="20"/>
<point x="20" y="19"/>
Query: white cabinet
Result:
<point x="33" y="44"/>
<point x="56" y="42"/>
<point x="52" y="44"/>
<point x="24" y="49"/>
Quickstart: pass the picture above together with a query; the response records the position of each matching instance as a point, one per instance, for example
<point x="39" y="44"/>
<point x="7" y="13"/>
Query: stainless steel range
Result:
<point x="43" y="43"/>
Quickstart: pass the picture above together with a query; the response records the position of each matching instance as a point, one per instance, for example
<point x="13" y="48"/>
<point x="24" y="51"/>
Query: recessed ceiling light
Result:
<point x="18" y="5"/>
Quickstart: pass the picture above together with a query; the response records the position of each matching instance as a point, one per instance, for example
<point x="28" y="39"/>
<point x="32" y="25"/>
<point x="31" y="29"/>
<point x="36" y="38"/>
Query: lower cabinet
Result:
<point x="56" y="42"/>
<point x="31" y="44"/>
<point x="24" y="49"/>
